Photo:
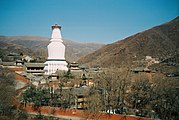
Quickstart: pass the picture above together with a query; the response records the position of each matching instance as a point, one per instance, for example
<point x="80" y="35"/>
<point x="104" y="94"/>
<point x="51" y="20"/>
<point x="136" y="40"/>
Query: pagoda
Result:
<point x="56" y="53"/>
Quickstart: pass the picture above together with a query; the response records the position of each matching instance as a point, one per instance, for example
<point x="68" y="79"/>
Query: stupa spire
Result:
<point x="56" y="33"/>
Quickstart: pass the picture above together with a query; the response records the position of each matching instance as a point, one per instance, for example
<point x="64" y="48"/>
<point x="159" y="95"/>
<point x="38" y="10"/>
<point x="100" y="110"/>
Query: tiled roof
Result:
<point x="8" y="63"/>
<point x="34" y="64"/>
<point x="140" y="69"/>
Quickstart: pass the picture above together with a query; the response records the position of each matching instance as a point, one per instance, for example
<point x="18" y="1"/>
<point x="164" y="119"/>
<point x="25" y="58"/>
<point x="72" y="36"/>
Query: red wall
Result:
<point x="77" y="113"/>
<point x="21" y="78"/>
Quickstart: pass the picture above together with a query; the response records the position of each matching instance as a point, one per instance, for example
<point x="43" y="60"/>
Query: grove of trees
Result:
<point x="118" y="91"/>
<point x="123" y="92"/>
<point x="7" y="92"/>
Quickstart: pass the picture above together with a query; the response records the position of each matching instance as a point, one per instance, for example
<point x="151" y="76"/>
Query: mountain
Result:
<point x="7" y="48"/>
<point x="158" y="42"/>
<point x="38" y="45"/>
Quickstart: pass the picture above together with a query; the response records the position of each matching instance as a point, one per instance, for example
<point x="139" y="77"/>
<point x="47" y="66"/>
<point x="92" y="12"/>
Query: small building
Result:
<point x="80" y="97"/>
<point x="53" y="77"/>
<point x="140" y="69"/>
<point x="19" y="62"/>
<point x="13" y="57"/>
<point x="34" y="68"/>
<point x="74" y="66"/>
<point x="8" y="63"/>
<point x="81" y="102"/>
<point x="27" y="58"/>
<point x="151" y="60"/>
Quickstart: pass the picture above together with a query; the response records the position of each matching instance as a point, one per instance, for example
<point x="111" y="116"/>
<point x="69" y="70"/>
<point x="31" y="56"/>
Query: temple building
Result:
<point x="34" y="68"/>
<point x="56" y="53"/>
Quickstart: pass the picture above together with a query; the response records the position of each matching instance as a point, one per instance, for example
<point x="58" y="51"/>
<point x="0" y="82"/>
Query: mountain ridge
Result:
<point x="160" y="42"/>
<point x="74" y="50"/>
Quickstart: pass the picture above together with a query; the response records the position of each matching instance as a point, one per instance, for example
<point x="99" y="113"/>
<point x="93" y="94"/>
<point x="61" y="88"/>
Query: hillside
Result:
<point x="160" y="42"/>
<point x="74" y="50"/>
<point x="7" y="48"/>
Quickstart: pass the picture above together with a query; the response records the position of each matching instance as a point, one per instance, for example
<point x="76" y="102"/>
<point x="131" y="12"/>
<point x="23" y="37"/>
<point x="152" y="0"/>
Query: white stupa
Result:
<point x="56" y="53"/>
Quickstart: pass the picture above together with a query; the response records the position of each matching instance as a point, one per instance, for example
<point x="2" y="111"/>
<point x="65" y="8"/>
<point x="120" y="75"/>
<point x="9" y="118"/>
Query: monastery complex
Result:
<point x="57" y="79"/>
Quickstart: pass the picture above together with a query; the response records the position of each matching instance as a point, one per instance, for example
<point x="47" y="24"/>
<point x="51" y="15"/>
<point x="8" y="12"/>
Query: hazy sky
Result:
<point x="84" y="20"/>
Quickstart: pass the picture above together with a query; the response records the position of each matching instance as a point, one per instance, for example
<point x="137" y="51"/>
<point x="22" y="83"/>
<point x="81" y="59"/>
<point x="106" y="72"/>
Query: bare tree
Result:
<point x="165" y="98"/>
<point x="94" y="103"/>
<point x="113" y="84"/>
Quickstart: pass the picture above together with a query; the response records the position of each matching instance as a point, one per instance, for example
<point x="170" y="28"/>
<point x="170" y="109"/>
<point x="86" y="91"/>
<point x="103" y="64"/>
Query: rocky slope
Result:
<point x="161" y="41"/>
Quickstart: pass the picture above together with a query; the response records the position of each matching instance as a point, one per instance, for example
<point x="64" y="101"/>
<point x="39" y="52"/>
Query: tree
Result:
<point x="166" y="98"/>
<point x="94" y="103"/>
<point x="7" y="91"/>
<point x="157" y="94"/>
<point x="140" y="95"/>
<point x="113" y="84"/>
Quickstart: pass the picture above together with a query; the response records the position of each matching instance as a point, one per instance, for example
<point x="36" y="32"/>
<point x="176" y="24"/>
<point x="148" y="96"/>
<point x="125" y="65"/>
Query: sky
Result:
<point x="104" y="21"/>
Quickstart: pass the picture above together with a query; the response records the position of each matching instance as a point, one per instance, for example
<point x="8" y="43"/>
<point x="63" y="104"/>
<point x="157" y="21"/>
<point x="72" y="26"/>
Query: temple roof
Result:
<point x="34" y="65"/>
